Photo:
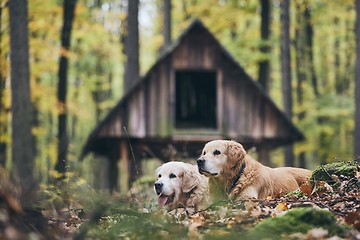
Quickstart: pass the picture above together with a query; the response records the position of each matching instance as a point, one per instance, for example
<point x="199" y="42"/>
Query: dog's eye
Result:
<point x="204" y="153"/>
<point x="172" y="176"/>
<point x="159" y="176"/>
<point x="216" y="152"/>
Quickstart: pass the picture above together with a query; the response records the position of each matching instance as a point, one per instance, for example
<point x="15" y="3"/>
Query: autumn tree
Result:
<point x="22" y="171"/>
<point x="68" y="17"/>
<point x="357" y="83"/>
<point x="286" y="71"/>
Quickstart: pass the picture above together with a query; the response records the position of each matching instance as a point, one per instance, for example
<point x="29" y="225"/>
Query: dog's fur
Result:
<point x="234" y="173"/>
<point x="182" y="182"/>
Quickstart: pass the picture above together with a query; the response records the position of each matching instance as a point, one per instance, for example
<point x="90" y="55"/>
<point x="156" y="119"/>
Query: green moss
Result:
<point x="323" y="173"/>
<point x="297" y="220"/>
<point x="297" y="193"/>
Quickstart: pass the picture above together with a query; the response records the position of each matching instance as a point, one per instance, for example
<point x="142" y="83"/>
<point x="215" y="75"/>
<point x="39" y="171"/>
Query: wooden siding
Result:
<point x="136" y="114"/>
<point x="113" y="128"/>
<point x="197" y="51"/>
<point x="157" y="102"/>
<point x="247" y="113"/>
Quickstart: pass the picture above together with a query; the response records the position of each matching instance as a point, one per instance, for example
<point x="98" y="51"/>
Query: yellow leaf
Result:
<point x="282" y="207"/>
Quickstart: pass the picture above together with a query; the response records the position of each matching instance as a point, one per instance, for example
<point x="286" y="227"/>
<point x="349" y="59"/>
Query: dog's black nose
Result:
<point x="200" y="163"/>
<point x="158" y="187"/>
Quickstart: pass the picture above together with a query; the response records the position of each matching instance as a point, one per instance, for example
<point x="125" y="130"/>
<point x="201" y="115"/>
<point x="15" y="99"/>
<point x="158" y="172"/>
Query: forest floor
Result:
<point x="328" y="207"/>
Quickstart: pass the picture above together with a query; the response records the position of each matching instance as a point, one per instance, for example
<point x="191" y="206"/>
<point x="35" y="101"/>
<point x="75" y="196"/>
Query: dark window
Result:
<point x="195" y="99"/>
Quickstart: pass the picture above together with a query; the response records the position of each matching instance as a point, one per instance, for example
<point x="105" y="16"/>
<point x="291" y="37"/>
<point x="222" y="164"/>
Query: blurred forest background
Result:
<point x="323" y="54"/>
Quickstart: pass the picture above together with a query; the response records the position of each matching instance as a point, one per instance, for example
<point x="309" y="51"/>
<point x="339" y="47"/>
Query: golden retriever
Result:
<point x="180" y="185"/>
<point x="235" y="174"/>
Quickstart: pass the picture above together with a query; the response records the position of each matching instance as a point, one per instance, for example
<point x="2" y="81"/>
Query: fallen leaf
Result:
<point x="68" y="222"/>
<point x="282" y="207"/>
<point x="13" y="203"/>
<point x="353" y="218"/>
<point x="306" y="189"/>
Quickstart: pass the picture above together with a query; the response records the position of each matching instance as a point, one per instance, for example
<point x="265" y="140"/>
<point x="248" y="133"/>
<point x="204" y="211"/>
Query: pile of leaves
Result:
<point x="326" y="207"/>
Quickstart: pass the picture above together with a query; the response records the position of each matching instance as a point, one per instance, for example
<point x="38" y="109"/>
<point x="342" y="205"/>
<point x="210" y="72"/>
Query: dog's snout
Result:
<point x="158" y="187"/>
<point x="200" y="163"/>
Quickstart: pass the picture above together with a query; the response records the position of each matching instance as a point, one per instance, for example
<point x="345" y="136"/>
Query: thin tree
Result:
<point x="68" y="17"/>
<point x="167" y="23"/>
<point x="264" y="64"/>
<point x="286" y="71"/>
<point x="3" y="123"/>
<point x="300" y="66"/>
<point x="357" y="83"/>
<point x="310" y="43"/>
<point x="22" y="171"/>
<point x="132" y="45"/>
<point x="339" y="81"/>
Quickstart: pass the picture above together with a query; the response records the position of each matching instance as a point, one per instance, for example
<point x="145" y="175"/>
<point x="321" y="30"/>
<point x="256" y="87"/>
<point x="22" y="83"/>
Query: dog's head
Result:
<point x="174" y="181"/>
<point x="219" y="157"/>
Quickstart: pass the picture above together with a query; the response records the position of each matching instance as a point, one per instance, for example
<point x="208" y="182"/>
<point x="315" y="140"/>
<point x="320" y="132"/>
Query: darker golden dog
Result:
<point x="233" y="173"/>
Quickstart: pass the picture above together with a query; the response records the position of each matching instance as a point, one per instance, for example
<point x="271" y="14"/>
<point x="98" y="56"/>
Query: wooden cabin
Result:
<point x="194" y="93"/>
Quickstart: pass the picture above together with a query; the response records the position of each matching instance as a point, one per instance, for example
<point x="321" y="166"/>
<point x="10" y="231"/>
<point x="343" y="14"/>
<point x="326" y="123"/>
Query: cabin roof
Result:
<point x="196" y="24"/>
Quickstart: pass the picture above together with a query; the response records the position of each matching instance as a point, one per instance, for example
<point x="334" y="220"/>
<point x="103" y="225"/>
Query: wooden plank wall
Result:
<point x="157" y="102"/>
<point x="136" y="114"/>
<point x="197" y="51"/>
<point x="114" y="126"/>
<point x="247" y="113"/>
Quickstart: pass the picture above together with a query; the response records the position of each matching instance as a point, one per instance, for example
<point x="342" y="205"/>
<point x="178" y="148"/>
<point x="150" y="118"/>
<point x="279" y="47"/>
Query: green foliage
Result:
<point x="328" y="128"/>
<point x="299" y="220"/>
<point x="66" y="191"/>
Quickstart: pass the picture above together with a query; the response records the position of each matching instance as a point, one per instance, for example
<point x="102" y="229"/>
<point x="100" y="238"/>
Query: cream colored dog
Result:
<point x="180" y="185"/>
<point x="234" y="173"/>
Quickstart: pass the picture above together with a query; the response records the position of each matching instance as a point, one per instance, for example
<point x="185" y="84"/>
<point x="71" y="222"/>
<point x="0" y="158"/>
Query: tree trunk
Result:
<point x="264" y="65"/>
<point x="309" y="43"/>
<point x="3" y="118"/>
<point x="286" y="71"/>
<point x="357" y="84"/>
<point x="338" y="76"/>
<point x="349" y="51"/>
<point x="132" y="45"/>
<point x="167" y="23"/>
<point x="22" y="171"/>
<point x="301" y="66"/>
<point x="68" y="17"/>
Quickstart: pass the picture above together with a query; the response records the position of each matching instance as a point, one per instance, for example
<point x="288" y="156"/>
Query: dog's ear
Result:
<point x="235" y="153"/>
<point x="190" y="180"/>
